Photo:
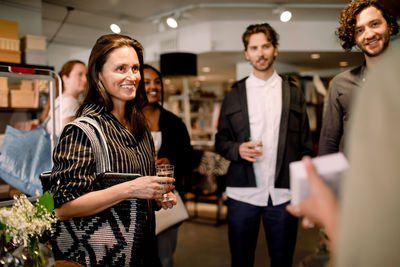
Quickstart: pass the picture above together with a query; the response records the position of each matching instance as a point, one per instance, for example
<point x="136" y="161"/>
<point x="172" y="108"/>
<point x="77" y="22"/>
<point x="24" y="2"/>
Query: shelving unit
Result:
<point x="200" y="115"/>
<point x="22" y="117"/>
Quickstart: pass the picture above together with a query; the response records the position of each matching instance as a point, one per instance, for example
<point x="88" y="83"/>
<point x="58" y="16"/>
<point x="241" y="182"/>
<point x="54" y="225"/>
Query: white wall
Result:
<point x="28" y="14"/>
<point x="199" y="38"/>
<point x="226" y="36"/>
<point x="58" y="54"/>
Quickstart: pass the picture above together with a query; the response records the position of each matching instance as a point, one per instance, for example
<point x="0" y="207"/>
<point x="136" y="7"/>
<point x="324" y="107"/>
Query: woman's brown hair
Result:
<point x="97" y="94"/>
<point x="67" y="68"/>
<point x="65" y="71"/>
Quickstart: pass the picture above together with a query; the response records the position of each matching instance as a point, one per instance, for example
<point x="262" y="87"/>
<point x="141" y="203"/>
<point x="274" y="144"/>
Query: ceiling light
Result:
<point x="315" y="56"/>
<point x="201" y="78"/>
<point x="115" y="28"/>
<point x="172" y="22"/>
<point x="343" y="63"/>
<point x="285" y="16"/>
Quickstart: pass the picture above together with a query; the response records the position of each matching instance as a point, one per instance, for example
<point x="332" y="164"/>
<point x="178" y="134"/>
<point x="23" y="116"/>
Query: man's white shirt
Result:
<point x="264" y="103"/>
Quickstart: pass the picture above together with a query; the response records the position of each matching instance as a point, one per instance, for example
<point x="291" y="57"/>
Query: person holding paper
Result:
<point x="263" y="126"/>
<point x="364" y="229"/>
<point x="368" y="25"/>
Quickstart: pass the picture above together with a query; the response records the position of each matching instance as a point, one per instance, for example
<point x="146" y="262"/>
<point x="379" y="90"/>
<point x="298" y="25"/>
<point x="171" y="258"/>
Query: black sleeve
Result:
<point x="225" y="143"/>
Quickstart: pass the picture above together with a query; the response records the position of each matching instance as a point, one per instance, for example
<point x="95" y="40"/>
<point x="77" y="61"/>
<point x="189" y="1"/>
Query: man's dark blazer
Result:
<point x="234" y="129"/>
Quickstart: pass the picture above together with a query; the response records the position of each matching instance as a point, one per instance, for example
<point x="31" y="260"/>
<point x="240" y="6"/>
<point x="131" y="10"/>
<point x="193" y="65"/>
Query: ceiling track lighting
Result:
<point x="284" y="14"/>
<point x="172" y="22"/>
<point x="115" y="28"/>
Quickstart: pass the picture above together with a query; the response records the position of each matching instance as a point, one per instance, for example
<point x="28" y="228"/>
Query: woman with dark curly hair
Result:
<point x="368" y="25"/>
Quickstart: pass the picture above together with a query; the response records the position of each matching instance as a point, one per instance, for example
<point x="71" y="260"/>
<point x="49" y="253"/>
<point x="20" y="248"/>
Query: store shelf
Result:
<point x="23" y="118"/>
<point x="201" y="117"/>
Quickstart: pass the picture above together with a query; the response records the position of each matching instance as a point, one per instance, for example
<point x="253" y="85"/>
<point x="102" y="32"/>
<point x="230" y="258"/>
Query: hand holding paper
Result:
<point x="330" y="167"/>
<point x="315" y="200"/>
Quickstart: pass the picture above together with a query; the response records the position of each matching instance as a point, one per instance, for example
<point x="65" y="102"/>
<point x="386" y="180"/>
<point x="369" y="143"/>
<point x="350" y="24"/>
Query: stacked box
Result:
<point x="23" y="95"/>
<point x="9" y="42"/>
<point x="34" y="57"/>
<point x="3" y="99"/>
<point x="3" y="92"/>
<point x="22" y="99"/>
<point x="8" y="29"/>
<point x="34" y="49"/>
<point x="10" y="56"/>
<point x="33" y="42"/>
<point x="3" y="84"/>
<point x="22" y="85"/>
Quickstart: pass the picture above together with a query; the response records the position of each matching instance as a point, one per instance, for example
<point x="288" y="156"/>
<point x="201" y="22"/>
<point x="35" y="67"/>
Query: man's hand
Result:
<point x="248" y="151"/>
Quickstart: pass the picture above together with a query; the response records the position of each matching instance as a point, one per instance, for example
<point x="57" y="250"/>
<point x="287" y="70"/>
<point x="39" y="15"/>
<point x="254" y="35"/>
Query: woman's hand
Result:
<point x="148" y="187"/>
<point x="169" y="203"/>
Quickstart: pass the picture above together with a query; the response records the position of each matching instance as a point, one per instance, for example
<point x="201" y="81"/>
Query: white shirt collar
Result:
<point x="270" y="83"/>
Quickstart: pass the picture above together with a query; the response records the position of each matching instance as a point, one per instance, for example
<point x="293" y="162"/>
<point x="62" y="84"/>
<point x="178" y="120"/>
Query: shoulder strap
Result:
<point x="98" y="142"/>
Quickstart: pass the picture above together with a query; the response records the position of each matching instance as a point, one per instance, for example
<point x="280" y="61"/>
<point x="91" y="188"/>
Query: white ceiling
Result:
<point x="138" y="18"/>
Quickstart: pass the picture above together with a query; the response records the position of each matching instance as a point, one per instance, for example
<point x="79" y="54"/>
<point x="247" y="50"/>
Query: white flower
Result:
<point x="25" y="220"/>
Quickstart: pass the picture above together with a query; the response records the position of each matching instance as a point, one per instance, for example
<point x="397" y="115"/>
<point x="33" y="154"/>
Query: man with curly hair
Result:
<point x="368" y="25"/>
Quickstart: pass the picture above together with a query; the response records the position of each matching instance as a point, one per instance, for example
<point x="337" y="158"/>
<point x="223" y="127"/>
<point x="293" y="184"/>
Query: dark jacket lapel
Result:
<point x="283" y="125"/>
<point x="243" y="105"/>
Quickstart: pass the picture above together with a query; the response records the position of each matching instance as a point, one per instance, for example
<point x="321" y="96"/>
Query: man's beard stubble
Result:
<point x="270" y="63"/>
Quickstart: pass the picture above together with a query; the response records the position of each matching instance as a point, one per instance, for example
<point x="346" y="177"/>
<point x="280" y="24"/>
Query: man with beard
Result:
<point x="368" y="25"/>
<point x="263" y="126"/>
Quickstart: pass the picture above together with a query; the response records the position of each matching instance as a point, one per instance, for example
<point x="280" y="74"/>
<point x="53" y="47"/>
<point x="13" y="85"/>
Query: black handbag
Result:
<point x="104" y="176"/>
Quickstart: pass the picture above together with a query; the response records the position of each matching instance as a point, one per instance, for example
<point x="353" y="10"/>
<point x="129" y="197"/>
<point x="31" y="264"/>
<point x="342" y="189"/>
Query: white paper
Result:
<point x="330" y="167"/>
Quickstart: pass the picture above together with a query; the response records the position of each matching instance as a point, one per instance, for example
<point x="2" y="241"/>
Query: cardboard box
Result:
<point x="22" y="99"/>
<point x="34" y="57"/>
<point x="3" y="99"/>
<point x="1" y="143"/>
<point x="4" y="84"/>
<point x="4" y="190"/>
<point x="33" y="42"/>
<point x="9" y="44"/>
<point x="10" y="56"/>
<point x="22" y="85"/>
<point x="8" y="29"/>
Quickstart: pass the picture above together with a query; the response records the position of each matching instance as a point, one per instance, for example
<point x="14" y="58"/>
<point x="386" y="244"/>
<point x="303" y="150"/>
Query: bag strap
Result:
<point x="98" y="142"/>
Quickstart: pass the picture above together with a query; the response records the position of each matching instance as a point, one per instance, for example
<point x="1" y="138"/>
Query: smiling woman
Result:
<point x="113" y="224"/>
<point x="121" y="76"/>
